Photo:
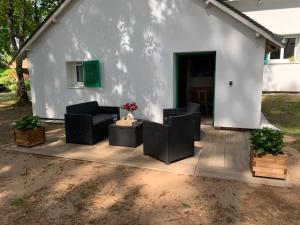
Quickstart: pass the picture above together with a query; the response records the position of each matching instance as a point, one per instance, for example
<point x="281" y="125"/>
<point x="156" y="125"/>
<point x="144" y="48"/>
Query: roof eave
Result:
<point x="246" y="22"/>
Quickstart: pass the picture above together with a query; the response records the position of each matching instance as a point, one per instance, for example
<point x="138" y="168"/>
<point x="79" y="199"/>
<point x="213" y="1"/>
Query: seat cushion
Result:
<point x="100" y="118"/>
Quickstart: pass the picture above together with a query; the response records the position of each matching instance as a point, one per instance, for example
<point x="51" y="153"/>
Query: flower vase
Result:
<point x="130" y="116"/>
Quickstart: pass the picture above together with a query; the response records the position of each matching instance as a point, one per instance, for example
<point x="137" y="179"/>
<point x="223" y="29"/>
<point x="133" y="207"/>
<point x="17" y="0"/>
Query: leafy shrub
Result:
<point x="28" y="123"/>
<point x="8" y="78"/>
<point x="27" y="84"/>
<point x="267" y="140"/>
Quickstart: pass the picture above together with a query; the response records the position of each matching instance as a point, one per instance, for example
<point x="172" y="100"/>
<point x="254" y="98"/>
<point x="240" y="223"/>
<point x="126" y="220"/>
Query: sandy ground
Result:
<point x="44" y="190"/>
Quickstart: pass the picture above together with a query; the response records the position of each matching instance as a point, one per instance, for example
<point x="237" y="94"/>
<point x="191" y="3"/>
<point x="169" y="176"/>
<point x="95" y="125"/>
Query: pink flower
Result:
<point x="130" y="106"/>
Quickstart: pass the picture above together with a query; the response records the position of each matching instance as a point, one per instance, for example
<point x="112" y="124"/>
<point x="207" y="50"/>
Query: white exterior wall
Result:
<point x="282" y="77"/>
<point x="136" y="40"/>
<point x="281" y="17"/>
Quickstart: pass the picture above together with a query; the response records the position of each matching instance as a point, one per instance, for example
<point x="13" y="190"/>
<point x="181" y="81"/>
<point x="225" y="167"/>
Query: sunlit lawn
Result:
<point x="284" y="112"/>
<point x="7" y="99"/>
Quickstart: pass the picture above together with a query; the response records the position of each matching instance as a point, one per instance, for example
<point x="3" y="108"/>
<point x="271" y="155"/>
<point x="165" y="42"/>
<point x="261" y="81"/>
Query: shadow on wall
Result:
<point x="137" y="57"/>
<point x="245" y="70"/>
<point x="127" y="58"/>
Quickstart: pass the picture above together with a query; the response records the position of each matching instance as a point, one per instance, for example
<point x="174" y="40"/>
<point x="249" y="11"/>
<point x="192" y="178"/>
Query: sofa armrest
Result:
<point x="78" y="127"/>
<point x="78" y="121"/>
<point x="109" y="110"/>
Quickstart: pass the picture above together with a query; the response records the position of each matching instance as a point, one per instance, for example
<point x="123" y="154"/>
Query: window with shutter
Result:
<point x="92" y="73"/>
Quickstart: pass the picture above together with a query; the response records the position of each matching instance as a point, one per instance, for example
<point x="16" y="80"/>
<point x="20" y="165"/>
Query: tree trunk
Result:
<point x="10" y="25"/>
<point x="21" y="89"/>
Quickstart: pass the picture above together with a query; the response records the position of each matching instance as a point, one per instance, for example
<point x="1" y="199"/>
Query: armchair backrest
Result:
<point x="179" y="122"/>
<point x="83" y="108"/>
<point x="180" y="129"/>
<point x="180" y="136"/>
<point x="193" y="107"/>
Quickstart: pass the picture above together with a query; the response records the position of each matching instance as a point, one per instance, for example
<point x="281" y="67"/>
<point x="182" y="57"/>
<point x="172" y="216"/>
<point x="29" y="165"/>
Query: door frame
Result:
<point x="176" y="75"/>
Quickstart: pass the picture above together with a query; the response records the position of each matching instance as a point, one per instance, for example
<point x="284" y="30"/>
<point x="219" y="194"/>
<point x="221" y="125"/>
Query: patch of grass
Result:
<point x="17" y="202"/>
<point x="284" y="112"/>
<point x="10" y="99"/>
<point x="7" y="99"/>
<point x="186" y="207"/>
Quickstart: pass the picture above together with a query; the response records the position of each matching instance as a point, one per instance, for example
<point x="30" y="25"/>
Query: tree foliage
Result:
<point x="18" y="20"/>
<point x="27" y="15"/>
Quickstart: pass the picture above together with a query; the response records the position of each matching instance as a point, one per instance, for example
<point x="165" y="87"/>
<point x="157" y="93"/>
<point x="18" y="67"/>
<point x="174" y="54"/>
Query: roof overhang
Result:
<point x="272" y="42"/>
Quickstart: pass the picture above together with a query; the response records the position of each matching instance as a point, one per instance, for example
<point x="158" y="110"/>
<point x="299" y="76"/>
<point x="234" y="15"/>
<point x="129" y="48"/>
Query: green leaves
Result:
<point x="28" y="123"/>
<point x="267" y="140"/>
<point x="26" y="16"/>
<point x="17" y="202"/>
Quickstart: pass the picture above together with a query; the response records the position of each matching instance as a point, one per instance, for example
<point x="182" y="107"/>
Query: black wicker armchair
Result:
<point x="192" y="108"/>
<point x="87" y="123"/>
<point x="169" y="142"/>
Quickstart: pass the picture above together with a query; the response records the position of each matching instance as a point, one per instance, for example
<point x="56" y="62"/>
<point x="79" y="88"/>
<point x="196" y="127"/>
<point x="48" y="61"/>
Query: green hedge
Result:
<point x="8" y="78"/>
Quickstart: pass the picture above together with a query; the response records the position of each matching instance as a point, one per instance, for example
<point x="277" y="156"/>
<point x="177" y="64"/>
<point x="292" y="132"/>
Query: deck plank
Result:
<point x="219" y="154"/>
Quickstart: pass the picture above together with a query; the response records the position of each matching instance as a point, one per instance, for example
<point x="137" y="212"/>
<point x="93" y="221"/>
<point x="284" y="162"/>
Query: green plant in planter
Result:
<point x="28" y="123"/>
<point x="267" y="140"/>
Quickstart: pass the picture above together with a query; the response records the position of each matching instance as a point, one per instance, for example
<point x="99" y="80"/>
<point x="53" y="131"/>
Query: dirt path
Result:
<point x="44" y="190"/>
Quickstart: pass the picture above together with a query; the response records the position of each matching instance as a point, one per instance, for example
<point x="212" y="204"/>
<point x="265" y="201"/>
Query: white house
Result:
<point x="152" y="52"/>
<point x="282" y="72"/>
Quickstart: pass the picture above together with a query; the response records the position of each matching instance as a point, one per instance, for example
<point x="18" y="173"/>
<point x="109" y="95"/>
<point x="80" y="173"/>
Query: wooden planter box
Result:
<point x="30" y="138"/>
<point x="269" y="165"/>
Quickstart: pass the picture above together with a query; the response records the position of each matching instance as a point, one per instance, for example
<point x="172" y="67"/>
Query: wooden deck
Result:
<point x="225" y="153"/>
<point x="219" y="154"/>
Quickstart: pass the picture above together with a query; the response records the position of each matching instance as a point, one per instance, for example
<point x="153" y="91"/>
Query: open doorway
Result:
<point x="195" y="78"/>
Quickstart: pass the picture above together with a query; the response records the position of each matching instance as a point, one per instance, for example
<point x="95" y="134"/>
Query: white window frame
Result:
<point x="282" y="60"/>
<point x="76" y="65"/>
<point x="71" y="75"/>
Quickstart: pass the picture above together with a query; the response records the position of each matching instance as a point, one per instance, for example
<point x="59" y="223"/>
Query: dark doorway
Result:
<point x="195" y="73"/>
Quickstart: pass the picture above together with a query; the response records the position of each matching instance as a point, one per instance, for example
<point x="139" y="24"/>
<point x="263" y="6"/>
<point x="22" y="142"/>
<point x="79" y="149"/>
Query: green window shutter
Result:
<point x="266" y="59"/>
<point x="92" y="73"/>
